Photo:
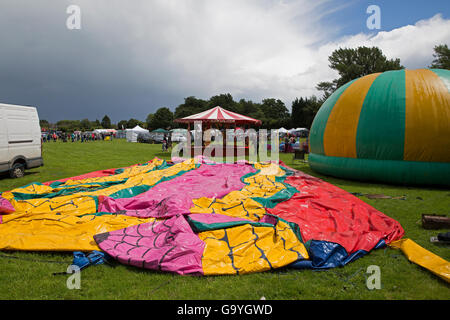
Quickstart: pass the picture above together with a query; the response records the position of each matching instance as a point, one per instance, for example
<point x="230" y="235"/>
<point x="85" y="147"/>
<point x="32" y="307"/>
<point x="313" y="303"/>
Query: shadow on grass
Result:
<point x="5" y="175"/>
<point x="304" y="167"/>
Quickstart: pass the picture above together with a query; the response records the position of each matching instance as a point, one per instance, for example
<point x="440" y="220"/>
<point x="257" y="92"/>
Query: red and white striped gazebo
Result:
<point x="219" y="115"/>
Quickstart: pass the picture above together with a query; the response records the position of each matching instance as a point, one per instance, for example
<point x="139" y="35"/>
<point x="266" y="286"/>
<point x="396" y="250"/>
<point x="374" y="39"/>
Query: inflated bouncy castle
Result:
<point x="389" y="127"/>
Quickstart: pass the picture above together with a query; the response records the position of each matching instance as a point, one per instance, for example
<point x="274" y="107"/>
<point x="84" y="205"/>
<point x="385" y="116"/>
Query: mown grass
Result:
<point x="29" y="275"/>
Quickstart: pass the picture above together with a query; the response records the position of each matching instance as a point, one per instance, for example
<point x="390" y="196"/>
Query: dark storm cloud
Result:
<point x="132" y="57"/>
<point x="74" y="74"/>
<point x="128" y="60"/>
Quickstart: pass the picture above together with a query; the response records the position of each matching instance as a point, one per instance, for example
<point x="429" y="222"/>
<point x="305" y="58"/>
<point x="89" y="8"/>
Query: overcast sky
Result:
<point x="131" y="57"/>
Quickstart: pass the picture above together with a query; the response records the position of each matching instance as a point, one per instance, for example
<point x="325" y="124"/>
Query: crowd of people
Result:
<point x="291" y="140"/>
<point x="76" y="136"/>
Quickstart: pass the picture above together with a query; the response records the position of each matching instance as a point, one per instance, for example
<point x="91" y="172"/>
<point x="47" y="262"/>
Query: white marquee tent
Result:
<point x="131" y="134"/>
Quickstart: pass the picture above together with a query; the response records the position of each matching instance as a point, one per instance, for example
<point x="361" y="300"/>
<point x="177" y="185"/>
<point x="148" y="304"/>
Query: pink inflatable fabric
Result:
<point x="168" y="245"/>
<point x="175" y="196"/>
<point x="5" y="206"/>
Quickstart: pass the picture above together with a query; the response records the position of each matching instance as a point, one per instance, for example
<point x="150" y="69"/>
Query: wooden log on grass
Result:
<point x="435" y="221"/>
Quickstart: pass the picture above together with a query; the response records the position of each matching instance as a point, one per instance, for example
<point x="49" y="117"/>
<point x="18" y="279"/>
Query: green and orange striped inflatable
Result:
<point x="391" y="127"/>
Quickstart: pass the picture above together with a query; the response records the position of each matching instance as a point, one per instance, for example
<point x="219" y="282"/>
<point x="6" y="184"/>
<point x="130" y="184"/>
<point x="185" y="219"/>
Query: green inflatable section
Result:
<point x="390" y="171"/>
<point x="398" y="107"/>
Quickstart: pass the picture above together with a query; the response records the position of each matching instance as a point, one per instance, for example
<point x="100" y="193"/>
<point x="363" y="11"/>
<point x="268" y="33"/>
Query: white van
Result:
<point x="20" y="139"/>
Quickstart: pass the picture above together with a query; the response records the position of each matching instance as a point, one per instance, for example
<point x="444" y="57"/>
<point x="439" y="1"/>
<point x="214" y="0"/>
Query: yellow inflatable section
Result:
<point x="45" y="221"/>
<point x="423" y="258"/>
<point x="239" y="204"/>
<point x="248" y="248"/>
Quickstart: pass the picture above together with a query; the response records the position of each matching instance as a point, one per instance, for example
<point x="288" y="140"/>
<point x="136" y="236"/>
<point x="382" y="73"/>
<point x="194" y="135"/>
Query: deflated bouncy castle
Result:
<point x="199" y="217"/>
<point x="390" y="127"/>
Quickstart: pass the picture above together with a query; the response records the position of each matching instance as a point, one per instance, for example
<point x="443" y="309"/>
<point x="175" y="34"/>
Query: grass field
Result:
<point x="28" y="275"/>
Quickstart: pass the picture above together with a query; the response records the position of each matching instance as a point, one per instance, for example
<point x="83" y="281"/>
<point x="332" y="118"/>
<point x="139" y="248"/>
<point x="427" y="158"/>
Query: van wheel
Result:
<point x="17" y="171"/>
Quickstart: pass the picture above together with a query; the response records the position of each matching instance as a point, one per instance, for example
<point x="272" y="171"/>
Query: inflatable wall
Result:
<point x="389" y="127"/>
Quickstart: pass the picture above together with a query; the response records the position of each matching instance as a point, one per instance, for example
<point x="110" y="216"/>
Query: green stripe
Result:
<point x="198" y="226"/>
<point x="381" y="126"/>
<point x="444" y="75"/>
<point x="321" y="119"/>
<point x="18" y="196"/>
<point x="277" y="198"/>
<point x="280" y="196"/>
<point x="390" y="171"/>
<point x="86" y="187"/>
<point x="294" y="227"/>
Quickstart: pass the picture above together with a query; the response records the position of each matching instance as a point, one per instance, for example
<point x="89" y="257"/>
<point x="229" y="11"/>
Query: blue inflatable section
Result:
<point x="325" y="255"/>
<point x="82" y="260"/>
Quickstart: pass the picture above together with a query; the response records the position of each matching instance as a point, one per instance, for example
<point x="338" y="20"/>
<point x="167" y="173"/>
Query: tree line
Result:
<point x="349" y="63"/>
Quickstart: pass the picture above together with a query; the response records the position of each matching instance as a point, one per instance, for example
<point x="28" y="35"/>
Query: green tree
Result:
<point x="133" y="123"/>
<point x="163" y="118"/>
<point x="122" y="124"/>
<point x="274" y="109"/>
<point x="106" y="122"/>
<point x="355" y="63"/>
<point x="44" y="124"/>
<point x="298" y="112"/>
<point x="85" y="124"/>
<point x="248" y="107"/>
<point x="327" y="88"/>
<point x="148" y="120"/>
<point x="225" y="101"/>
<point x="303" y="111"/>
<point x="441" y="57"/>
<point x="191" y="106"/>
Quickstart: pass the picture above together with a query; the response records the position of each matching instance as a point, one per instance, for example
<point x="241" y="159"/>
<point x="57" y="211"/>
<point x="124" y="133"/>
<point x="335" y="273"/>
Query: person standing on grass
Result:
<point x="286" y="143"/>
<point x="169" y="142"/>
<point x="164" y="143"/>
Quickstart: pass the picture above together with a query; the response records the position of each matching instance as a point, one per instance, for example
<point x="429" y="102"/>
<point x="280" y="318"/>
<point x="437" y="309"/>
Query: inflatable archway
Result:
<point x="389" y="127"/>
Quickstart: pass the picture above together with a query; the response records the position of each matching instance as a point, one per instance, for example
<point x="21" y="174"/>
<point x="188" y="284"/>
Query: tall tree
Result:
<point x="148" y="120"/>
<point x="274" y="109"/>
<point x="354" y="63"/>
<point x="191" y="106"/>
<point x="327" y="88"/>
<point x="133" y="123"/>
<point x="44" y="124"/>
<point x="297" y="113"/>
<point x="223" y="100"/>
<point x="106" y="122"/>
<point x="304" y="111"/>
<point x="441" y="57"/>
<point x="162" y="118"/>
<point x="122" y="124"/>
<point x="248" y="107"/>
<point x="85" y="124"/>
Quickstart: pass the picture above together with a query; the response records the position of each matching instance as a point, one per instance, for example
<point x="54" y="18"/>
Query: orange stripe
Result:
<point x="340" y="133"/>
<point x="427" y="116"/>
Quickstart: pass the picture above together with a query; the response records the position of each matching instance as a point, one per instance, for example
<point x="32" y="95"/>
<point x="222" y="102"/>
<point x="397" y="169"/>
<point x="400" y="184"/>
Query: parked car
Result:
<point x="146" y="137"/>
<point x="157" y="138"/>
<point x="20" y="140"/>
<point x="179" y="135"/>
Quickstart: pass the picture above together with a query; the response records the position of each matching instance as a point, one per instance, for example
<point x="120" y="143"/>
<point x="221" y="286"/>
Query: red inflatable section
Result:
<point x="326" y="212"/>
<point x="95" y="174"/>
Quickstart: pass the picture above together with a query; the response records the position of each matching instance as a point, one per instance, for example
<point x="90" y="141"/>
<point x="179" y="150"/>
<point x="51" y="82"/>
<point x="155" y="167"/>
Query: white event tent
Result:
<point x="131" y="134"/>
